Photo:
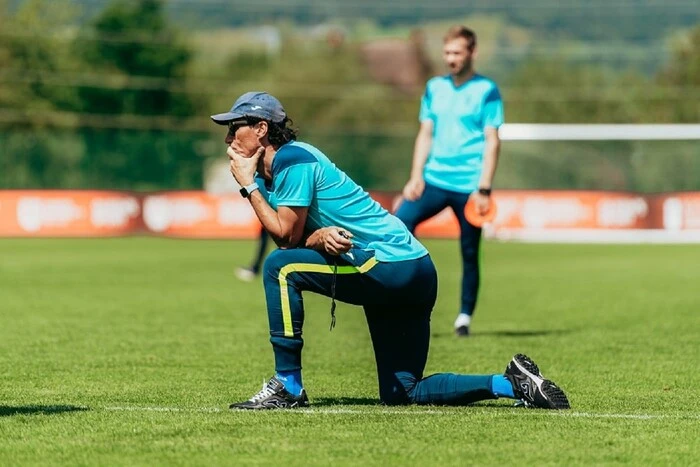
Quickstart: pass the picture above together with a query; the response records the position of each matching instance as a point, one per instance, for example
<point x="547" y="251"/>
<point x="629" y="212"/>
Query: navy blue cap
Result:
<point x="253" y="104"/>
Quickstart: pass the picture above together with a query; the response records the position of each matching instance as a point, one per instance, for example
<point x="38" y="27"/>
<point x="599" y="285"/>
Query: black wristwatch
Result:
<point x="485" y="191"/>
<point x="247" y="190"/>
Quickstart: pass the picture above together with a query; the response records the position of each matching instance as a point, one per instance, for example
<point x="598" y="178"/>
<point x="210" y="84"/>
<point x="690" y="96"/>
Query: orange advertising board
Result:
<point x="521" y="214"/>
<point x="547" y="210"/>
<point x="196" y="214"/>
<point x="56" y="213"/>
<point x="571" y="210"/>
<point x="679" y="211"/>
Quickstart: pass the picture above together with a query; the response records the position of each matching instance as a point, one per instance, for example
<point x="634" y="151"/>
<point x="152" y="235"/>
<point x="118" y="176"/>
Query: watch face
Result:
<point x="244" y="192"/>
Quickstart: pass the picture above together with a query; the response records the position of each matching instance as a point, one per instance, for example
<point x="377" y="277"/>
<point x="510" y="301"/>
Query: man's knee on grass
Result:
<point x="398" y="390"/>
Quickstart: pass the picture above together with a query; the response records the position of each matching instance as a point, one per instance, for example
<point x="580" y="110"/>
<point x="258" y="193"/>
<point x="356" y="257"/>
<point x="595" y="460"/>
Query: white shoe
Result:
<point x="462" y="324"/>
<point x="245" y="274"/>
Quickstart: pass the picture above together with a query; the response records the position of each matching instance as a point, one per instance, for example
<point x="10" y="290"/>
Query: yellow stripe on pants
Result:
<point x="311" y="267"/>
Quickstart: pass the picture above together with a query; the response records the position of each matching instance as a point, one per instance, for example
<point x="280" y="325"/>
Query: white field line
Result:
<point x="340" y="411"/>
<point x="163" y="409"/>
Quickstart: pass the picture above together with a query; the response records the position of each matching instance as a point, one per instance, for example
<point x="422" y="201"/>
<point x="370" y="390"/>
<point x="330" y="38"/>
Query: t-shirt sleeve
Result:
<point x="426" y="103"/>
<point x="295" y="180"/>
<point x="493" y="109"/>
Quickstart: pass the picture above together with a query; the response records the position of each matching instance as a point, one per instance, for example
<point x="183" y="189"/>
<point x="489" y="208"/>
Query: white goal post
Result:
<point x="598" y="132"/>
<point x="598" y="215"/>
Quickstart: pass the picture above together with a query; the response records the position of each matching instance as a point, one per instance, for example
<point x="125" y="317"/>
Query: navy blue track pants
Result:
<point x="432" y="201"/>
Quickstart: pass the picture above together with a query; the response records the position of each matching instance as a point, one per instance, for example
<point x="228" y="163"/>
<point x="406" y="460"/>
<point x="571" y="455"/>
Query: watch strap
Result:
<point x="247" y="190"/>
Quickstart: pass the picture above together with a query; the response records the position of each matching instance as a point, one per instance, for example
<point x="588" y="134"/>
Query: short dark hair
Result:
<point x="278" y="133"/>
<point x="455" y="32"/>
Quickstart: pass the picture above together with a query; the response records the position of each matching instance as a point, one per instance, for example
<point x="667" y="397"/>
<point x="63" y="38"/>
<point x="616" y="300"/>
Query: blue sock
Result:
<point x="501" y="387"/>
<point x="291" y="381"/>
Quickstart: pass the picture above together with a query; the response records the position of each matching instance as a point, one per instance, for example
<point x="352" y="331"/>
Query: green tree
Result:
<point x="555" y="91"/>
<point x="131" y="40"/>
<point x="682" y="76"/>
<point x="31" y="55"/>
<point x="31" y="62"/>
<point x="142" y="61"/>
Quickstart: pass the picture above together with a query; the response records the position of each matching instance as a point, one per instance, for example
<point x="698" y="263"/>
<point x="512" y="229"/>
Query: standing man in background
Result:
<point x="455" y="155"/>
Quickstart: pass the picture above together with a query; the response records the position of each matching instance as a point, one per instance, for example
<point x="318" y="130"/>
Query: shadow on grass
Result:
<point x="330" y="401"/>
<point x="7" y="411"/>
<point x="503" y="403"/>
<point x="523" y="333"/>
<point x="350" y="401"/>
<point x="509" y="333"/>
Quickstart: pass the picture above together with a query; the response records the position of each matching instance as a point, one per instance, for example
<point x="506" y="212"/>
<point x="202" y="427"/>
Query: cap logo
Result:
<point x="256" y="107"/>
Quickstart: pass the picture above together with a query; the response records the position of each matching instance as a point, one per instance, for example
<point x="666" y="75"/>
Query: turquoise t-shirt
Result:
<point x="302" y="176"/>
<point x="459" y="116"/>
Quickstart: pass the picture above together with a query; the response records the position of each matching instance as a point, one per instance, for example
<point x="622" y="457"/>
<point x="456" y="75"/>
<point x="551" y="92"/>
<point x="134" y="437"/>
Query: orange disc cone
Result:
<point x="474" y="217"/>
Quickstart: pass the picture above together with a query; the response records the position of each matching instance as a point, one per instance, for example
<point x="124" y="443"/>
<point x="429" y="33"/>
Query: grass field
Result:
<point x="128" y="351"/>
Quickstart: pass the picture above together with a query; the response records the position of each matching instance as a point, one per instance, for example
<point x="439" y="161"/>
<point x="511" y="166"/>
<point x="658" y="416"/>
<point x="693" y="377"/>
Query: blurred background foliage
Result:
<point x="117" y="94"/>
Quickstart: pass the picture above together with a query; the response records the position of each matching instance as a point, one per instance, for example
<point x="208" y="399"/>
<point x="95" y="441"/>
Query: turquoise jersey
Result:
<point x="459" y="116"/>
<point x="302" y="176"/>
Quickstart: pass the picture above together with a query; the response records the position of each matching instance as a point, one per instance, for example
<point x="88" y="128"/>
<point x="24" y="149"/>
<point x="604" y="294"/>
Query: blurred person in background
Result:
<point x="336" y="241"/>
<point x="455" y="155"/>
<point x="252" y="271"/>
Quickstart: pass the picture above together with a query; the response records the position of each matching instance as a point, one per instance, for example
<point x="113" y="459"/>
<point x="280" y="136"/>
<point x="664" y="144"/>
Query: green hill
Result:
<point x="628" y="20"/>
